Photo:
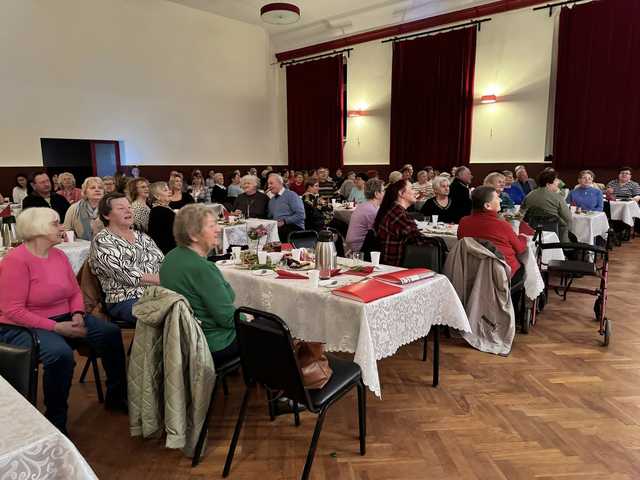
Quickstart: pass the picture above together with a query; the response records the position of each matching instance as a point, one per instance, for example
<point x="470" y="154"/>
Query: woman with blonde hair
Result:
<point x="497" y="181"/>
<point x="161" y="217"/>
<point x="68" y="188"/>
<point x="198" y="189"/>
<point x="82" y="217"/>
<point x="178" y="198"/>
<point x="138" y="194"/>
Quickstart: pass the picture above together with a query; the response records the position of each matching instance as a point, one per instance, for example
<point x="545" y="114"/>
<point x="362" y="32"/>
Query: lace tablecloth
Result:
<point x="342" y="214"/>
<point x="624" y="211"/>
<point x="77" y="252"/>
<point x="586" y="227"/>
<point x="32" y="448"/>
<point x="372" y="331"/>
<point x="237" y="234"/>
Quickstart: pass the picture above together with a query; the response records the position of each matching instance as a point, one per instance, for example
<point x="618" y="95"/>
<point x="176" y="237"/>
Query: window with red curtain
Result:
<point x="597" y="112"/>
<point x="314" y="113"/>
<point x="432" y="99"/>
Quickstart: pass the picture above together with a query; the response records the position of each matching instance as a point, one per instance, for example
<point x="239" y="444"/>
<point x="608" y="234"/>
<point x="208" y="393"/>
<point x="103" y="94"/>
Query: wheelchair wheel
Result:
<point x="607" y="333"/>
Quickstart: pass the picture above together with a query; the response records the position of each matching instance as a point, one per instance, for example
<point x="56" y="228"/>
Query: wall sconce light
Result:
<point x="488" y="99"/>
<point x="356" y="113"/>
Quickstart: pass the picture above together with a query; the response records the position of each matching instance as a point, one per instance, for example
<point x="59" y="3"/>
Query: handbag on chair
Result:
<point x="314" y="364"/>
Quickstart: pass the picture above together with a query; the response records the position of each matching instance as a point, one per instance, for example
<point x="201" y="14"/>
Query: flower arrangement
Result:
<point x="255" y="234"/>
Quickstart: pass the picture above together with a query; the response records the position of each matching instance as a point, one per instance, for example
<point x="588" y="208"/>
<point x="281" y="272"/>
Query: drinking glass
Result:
<point x="358" y="258"/>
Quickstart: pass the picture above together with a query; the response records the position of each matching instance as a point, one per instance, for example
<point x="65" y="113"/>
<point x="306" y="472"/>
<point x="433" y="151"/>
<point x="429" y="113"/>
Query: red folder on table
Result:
<point x="368" y="291"/>
<point x="403" y="277"/>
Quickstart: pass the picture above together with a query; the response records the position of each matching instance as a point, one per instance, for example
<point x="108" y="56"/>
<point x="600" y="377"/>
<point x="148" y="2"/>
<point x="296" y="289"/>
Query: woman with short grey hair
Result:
<point x="441" y="204"/>
<point x="251" y="203"/>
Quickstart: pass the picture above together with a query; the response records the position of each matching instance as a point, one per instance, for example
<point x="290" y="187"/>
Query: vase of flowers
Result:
<point x="255" y="236"/>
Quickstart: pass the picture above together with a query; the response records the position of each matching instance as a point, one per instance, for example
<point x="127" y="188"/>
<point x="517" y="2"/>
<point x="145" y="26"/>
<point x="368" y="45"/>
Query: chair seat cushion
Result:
<point x="572" y="266"/>
<point x="345" y="373"/>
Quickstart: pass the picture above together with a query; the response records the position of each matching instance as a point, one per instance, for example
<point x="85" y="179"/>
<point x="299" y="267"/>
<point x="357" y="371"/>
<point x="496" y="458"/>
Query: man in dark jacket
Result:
<point x="41" y="195"/>
<point x="459" y="192"/>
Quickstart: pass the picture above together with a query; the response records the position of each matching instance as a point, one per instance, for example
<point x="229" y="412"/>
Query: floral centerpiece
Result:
<point x="255" y="235"/>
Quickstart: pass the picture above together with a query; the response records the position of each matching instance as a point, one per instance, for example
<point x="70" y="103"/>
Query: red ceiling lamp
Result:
<point x="488" y="99"/>
<point x="280" y="13"/>
<point x="356" y="113"/>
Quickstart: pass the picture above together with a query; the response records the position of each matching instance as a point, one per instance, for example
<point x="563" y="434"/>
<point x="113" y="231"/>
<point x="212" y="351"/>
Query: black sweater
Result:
<point x="161" y="228"/>
<point x="254" y="206"/>
<point x="58" y="203"/>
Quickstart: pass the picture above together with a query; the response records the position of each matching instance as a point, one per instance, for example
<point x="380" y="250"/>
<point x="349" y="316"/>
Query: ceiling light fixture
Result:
<point x="280" y="13"/>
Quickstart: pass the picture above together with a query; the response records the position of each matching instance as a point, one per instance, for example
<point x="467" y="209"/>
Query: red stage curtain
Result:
<point x="314" y="113"/>
<point x="432" y="99"/>
<point x="597" y="113"/>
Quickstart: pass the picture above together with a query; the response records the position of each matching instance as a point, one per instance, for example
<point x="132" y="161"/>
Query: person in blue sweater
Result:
<point x="285" y="206"/>
<point x="514" y="190"/>
<point x="585" y="195"/>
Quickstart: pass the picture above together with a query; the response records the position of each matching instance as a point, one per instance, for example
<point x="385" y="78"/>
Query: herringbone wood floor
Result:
<point x="560" y="406"/>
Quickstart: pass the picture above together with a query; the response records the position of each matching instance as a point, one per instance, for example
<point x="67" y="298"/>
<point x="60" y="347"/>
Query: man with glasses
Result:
<point x="624" y="187"/>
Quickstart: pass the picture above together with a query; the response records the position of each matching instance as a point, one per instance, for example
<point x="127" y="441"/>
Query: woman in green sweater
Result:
<point x="187" y="271"/>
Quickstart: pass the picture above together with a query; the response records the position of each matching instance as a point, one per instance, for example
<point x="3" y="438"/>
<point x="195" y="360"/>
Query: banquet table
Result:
<point x="77" y="252"/>
<point x="237" y="234"/>
<point x="625" y="211"/>
<point x="372" y="331"/>
<point x="31" y="447"/>
<point x="587" y="226"/>
<point x="343" y="214"/>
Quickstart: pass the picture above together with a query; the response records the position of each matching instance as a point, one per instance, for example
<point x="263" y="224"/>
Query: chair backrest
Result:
<point x="370" y="244"/>
<point x="543" y="224"/>
<point x="431" y="255"/>
<point x="338" y="239"/>
<point x="19" y="366"/>
<point x="303" y="239"/>
<point x="267" y="355"/>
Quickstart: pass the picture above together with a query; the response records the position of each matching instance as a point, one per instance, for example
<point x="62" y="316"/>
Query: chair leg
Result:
<point x="314" y="444"/>
<point x="96" y="376"/>
<point x="225" y="387"/>
<point x="296" y="413"/>
<point x="436" y="355"/>
<point x="236" y="432"/>
<point x="362" y="416"/>
<point x="424" y="349"/>
<point x="272" y="413"/>
<point x="205" y="428"/>
<point x="85" y="370"/>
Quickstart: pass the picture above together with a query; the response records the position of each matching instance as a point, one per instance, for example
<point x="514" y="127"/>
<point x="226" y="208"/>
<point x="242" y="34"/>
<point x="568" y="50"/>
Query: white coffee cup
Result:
<point x="573" y="208"/>
<point x="232" y="219"/>
<point x="275" y="257"/>
<point x="296" y="253"/>
<point x="434" y="219"/>
<point x="314" y="278"/>
<point x="235" y="254"/>
<point x="333" y="202"/>
<point x="375" y="258"/>
<point x="71" y="236"/>
<point x="262" y="257"/>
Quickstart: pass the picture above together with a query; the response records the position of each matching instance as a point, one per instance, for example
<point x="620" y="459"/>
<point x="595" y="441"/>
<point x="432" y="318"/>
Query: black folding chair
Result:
<point x="370" y="244"/>
<point x="19" y="365"/>
<point x="303" y="239"/>
<point x="593" y="261"/>
<point x="338" y="240"/>
<point x="268" y="359"/>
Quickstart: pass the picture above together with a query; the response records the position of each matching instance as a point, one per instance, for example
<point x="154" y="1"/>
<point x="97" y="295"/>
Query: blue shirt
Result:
<point x="287" y="206"/>
<point x="515" y="192"/>
<point x="589" y="198"/>
<point x="357" y="196"/>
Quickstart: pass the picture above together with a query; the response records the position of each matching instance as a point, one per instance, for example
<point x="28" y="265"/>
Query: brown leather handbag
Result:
<point x="314" y="364"/>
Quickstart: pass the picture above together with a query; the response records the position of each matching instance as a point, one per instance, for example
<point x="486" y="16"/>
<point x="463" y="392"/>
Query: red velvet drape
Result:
<point x="597" y="113"/>
<point x="432" y="99"/>
<point x="314" y="113"/>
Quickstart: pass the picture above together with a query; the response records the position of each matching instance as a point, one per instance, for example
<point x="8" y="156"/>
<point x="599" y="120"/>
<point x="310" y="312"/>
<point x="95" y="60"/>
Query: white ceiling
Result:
<point x="322" y="20"/>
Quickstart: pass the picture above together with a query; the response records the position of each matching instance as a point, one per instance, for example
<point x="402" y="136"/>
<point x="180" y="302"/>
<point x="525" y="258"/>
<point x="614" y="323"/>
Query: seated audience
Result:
<point x="198" y="189"/>
<point x="496" y="180"/>
<point x="431" y="173"/>
<point x="178" y="197"/>
<point x="523" y="181"/>
<point x="485" y="224"/>
<point x="459" y="192"/>
<point x="317" y="214"/>
<point x="338" y="178"/>
<point x="82" y="217"/>
<point x="161" y="217"/>
<point x="423" y="187"/>
<point x="296" y="183"/>
<point x="21" y="190"/>
<point x="364" y="215"/>
<point x="187" y="271"/>
<point x="327" y="186"/>
<point x="123" y="259"/>
<point x="394" y="227"/>
<point x="109" y="184"/>
<point x="41" y="195"/>
<point x="545" y="201"/>
<point x="235" y="188"/>
<point x="585" y="195"/>
<point x="394" y="176"/>
<point x="38" y="290"/>
<point x="441" y="204"/>
<point x="211" y="181"/>
<point x="357" y="192"/>
<point x="68" y="188"/>
<point x="138" y="194"/>
<point x="285" y="206"/>
<point x="251" y="203"/>
<point x="511" y="188"/>
<point x="407" y="173"/>
<point x="219" y="191"/>
<point x="55" y="184"/>
<point x="345" y="189"/>
<point x="624" y="187"/>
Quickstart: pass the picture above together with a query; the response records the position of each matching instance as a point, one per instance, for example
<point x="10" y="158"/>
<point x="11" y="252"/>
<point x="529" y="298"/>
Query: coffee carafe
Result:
<point x="9" y="234"/>
<point x="326" y="255"/>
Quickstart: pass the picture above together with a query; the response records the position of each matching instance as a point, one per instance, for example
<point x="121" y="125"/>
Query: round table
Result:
<point x="587" y="226"/>
<point x="625" y="211"/>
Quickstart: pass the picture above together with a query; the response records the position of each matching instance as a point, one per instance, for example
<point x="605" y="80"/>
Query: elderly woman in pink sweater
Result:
<point x="38" y="290"/>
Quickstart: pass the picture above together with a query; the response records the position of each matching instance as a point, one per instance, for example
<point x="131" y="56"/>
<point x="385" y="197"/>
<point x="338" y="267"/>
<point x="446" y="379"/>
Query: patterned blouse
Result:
<point x="140" y="215"/>
<point x="120" y="265"/>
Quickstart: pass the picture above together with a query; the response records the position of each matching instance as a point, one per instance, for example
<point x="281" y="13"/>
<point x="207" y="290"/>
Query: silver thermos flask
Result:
<point x="9" y="235"/>
<point x="326" y="255"/>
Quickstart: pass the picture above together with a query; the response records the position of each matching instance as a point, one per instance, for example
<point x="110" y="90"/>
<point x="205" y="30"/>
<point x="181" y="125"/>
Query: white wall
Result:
<point x="513" y="59"/>
<point x="173" y="84"/>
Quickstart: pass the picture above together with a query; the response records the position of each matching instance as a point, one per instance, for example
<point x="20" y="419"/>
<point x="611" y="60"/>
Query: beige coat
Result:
<point x="171" y="372"/>
<point x="482" y="281"/>
<point x="72" y="222"/>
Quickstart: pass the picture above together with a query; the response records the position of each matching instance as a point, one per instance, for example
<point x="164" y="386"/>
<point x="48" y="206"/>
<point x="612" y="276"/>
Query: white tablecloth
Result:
<point x="77" y="252"/>
<point x="624" y="211"/>
<point x="342" y="214"/>
<point x="586" y="227"/>
<point x="372" y="331"/>
<point x="237" y="234"/>
<point x="31" y="447"/>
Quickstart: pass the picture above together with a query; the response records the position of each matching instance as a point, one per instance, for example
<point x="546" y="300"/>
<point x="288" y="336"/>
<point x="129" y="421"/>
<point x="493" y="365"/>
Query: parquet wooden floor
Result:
<point x="561" y="406"/>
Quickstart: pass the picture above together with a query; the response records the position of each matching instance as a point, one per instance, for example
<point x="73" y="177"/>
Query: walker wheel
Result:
<point x="607" y="333"/>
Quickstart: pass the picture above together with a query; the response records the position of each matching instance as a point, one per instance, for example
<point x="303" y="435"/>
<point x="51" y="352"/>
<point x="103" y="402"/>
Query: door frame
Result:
<point x="93" y="153"/>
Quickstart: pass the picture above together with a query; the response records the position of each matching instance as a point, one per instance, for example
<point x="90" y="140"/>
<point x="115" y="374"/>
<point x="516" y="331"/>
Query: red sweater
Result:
<point x="487" y="226"/>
